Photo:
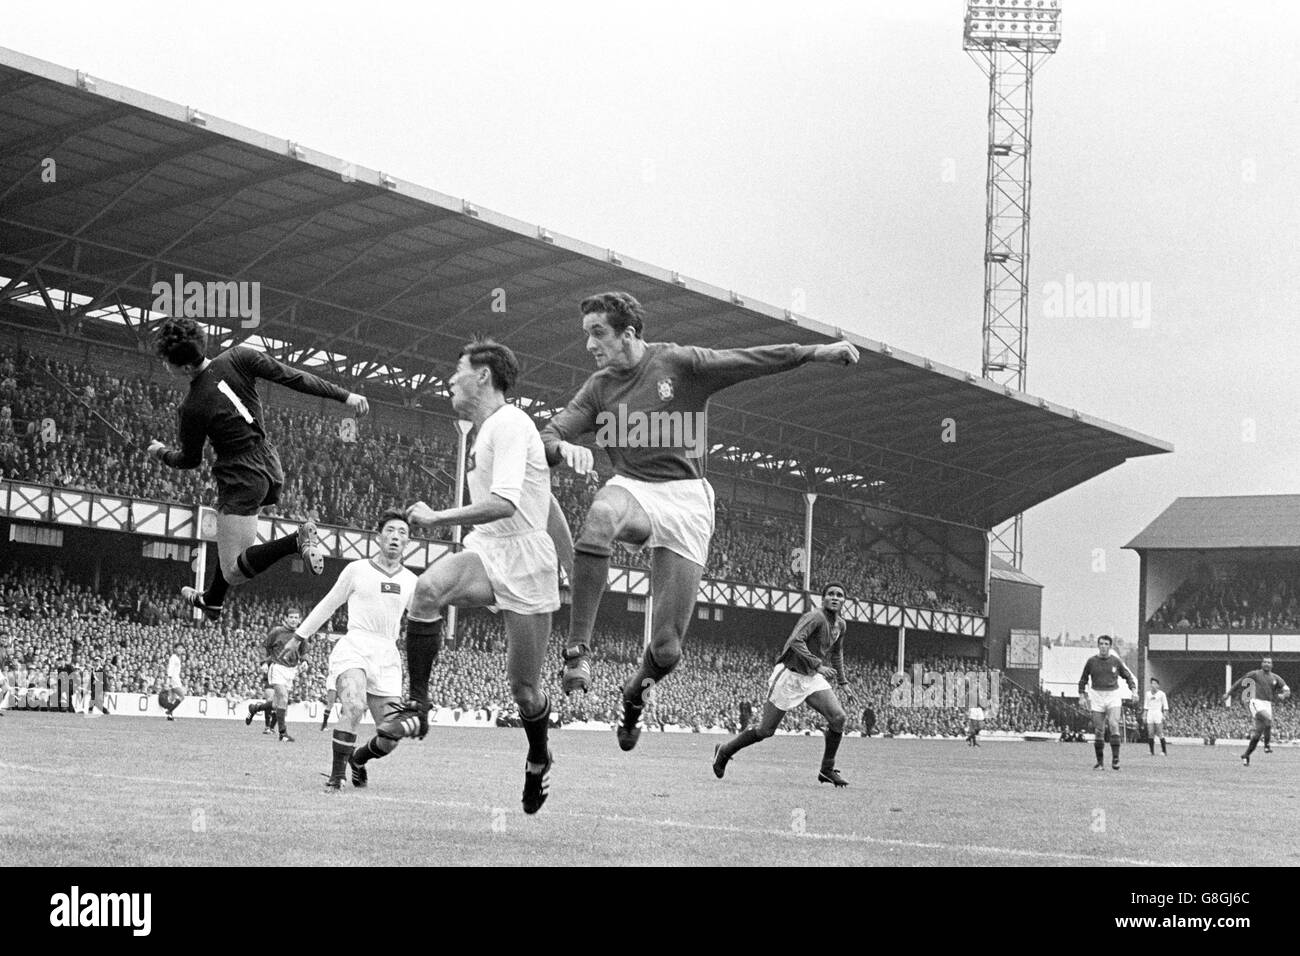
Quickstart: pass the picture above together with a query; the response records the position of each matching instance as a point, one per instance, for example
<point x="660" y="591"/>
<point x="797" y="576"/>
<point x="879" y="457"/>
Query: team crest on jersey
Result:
<point x="665" y="389"/>
<point x="390" y="587"/>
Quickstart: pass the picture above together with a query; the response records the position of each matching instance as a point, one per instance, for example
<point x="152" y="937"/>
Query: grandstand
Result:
<point x="1219" y="588"/>
<point x="375" y="283"/>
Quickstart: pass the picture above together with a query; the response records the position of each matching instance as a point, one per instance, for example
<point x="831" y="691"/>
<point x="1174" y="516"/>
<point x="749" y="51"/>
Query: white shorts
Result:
<point x="680" y="513"/>
<point x="522" y="568"/>
<point x="787" y="689"/>
<point x="376" y="656"/>
<point x="281" y="676"/>
<point x="1102" y="701"/>
<point x="1261" y="708"/>
<point x="1155" y="720"/>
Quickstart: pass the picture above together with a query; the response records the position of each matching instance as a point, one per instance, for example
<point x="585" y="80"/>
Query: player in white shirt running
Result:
<point x="511" y="560"/>
<point x="364" y="665"/>
<point x="1157" y="705"/>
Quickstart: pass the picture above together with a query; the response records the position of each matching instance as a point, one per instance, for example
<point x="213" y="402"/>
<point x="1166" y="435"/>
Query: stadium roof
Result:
<point x="1235" y="521"/>
<point x="1004" y="571"/>
<point x="383" y="280"/>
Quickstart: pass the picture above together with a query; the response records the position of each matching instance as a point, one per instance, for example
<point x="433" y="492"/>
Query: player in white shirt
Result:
<point x="174" y="687"/>
<point x="364" y="665"/>
<point x="510" y="562"/>
<point x="1157" y="705"/>
<point x="974" y="724"/>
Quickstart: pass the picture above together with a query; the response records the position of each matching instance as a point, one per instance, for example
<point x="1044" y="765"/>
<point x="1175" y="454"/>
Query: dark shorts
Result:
<point x="248" y="482"/>
<point x="976" y="726"/>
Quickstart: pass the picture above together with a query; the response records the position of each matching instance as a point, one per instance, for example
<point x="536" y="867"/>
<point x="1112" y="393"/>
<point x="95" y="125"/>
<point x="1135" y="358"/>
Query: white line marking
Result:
<point x="850" y="838"/>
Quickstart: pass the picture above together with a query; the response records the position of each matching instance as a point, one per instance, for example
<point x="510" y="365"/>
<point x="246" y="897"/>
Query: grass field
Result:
<point x="122" y="790"/>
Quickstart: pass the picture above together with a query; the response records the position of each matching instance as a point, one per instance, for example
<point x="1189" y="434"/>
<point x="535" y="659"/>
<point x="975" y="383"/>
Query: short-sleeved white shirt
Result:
<point x="508" y="460"/>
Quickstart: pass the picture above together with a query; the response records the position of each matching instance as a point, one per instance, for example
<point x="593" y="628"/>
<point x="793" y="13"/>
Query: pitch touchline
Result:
<point x="646" y="821"/>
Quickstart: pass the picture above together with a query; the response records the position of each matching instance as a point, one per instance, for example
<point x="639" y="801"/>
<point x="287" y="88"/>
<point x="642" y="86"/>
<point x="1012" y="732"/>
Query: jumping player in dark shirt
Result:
<point x="802" y="675"/>
<point x="646" y="405"/>
<point x="223" y="407"/>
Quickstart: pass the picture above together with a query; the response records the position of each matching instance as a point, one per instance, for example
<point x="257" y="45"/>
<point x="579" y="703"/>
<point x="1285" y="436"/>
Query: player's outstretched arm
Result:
<point x="722" y="368"/>
<point x="331" y="602"/>
<point x="260" y="365"/>
<point x="493" y="508"/>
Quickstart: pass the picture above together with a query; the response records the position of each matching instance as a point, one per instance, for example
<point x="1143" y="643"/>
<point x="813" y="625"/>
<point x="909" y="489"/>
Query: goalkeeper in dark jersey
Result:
<point x="803" y="676"/>
<point x="284" y="652"/>
<point x="223" y="407"/>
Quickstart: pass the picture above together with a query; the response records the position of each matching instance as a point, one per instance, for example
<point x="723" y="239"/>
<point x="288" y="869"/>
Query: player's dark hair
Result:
<point x="621" y="310"/>
<point x="1106" y="638"/>
<point x="834" y="584"/>
<point x="181" y="341"/>
<point x="392" y="514"/>
<point x="485" y="353"/>
<point x="1155" y="680"/>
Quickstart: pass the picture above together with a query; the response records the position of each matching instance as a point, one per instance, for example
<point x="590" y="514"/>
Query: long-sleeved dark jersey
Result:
<point x="276" y="652"/>
<point x="670" y="380"/>
<point x="223" y="406"/>
<point x="1106" y="673"/>
<point x="1266" y="684"/>
<point x="814" y="639"/>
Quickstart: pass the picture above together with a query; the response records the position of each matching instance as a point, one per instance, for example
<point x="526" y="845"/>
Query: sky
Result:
<point x="830" y="158"/>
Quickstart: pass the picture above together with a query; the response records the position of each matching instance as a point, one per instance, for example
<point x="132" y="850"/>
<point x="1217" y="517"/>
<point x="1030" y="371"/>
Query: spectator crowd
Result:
<point x="1250" y="595"/>
<point x="51" y="624"/>
<point x="86" y="428"/>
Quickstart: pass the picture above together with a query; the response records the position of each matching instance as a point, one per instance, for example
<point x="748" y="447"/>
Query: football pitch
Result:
<point x="127" y="791"/>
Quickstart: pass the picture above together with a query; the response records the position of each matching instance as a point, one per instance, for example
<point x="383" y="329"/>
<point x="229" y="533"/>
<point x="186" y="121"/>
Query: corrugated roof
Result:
<point x="1231" y="521"/>
<point x="392" y="278"/>
<point x="1002" y="571"/>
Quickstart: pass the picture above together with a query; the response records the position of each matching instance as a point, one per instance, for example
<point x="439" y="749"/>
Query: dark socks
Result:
<point x="536" y="728"/>
<point x="833" y="738"/>
<point x="1163" y="748"/>
<point x="215" y="595"/>
<point x="423" y="641"/>
<point x="648" y="674"/>
<point x="742" y="740"/>
<point x="259" y="557"/>
<point x="268" y="711"/>
<point x="590" y="578"/>
<point x="279" y="720"/>
<point x="1254" y="742"/>
<point x="1151" y="745"/>
<point x="343" y="745"/>
<point x="374" y="748"/>
<point x="1099" y="745"/>
<point x="1114" y="748"/>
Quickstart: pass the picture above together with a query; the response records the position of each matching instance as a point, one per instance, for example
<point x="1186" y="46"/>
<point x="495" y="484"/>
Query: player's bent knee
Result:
<point x="836" y="723"/>
<point x="526" y="693"/>
<point x="667" y="653"/>
<point x="598" y="529"/>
